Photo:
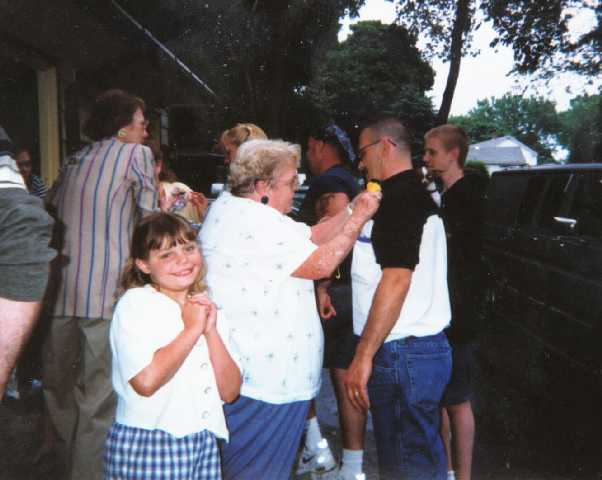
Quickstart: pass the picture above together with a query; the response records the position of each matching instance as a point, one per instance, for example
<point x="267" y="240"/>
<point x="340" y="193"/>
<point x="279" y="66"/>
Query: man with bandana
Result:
<point x="329" y="157"/>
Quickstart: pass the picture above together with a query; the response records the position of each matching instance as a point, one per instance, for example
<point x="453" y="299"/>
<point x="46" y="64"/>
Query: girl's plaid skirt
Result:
<point x="136" y="453"/>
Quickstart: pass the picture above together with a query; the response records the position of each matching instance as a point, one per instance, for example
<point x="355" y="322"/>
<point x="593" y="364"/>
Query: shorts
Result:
<point x="460" y="386"/>
<point x="339" y="341"/>
<point x="25" y="232"/>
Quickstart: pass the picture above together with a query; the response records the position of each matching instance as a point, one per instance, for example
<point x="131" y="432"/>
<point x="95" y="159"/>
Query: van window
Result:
<point x="503" y="198"/>
<point x="531" y="199"/>
<point x="587" y="205"/>
<point x="555" y="202"/>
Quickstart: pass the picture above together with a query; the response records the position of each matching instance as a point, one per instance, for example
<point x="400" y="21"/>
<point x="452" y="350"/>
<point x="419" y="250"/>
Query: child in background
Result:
<point x="171" y="368"/>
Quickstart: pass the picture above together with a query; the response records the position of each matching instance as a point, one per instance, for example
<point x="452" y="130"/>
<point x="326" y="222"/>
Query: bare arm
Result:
<point x="227" y="374"/>
<point x="16" y="323"/>
<point x="322" y="262"/>
<point x="384" y="312"/>
<point x="168" y="359"/>
<point x="326" y="230"/>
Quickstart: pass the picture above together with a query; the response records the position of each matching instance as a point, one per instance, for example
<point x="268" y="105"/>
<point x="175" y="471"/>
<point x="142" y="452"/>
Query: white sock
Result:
<point x="451" y="475"/>
<point x="351" y="463"/>
<point x="312" y="434"/>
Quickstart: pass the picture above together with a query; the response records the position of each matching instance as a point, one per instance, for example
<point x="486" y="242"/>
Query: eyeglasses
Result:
<point x="362" y="151"/>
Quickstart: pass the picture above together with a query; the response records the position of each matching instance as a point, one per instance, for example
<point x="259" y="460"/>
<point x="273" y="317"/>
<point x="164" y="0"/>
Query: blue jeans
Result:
<point x="408" y="379"/>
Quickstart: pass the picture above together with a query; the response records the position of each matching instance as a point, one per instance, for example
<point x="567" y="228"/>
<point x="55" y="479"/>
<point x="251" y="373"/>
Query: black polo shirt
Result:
<point x="400" y="219"/>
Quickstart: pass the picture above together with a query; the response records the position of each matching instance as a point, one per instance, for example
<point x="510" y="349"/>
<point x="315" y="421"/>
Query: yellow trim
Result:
<point x="48" y="114"/>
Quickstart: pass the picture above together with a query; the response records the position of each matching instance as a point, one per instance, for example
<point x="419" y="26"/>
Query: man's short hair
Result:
<point x="451" y="136"/>
<point x="387" y="124"/>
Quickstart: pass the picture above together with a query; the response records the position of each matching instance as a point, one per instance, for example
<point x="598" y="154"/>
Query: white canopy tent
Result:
<point x="502" y="152"/>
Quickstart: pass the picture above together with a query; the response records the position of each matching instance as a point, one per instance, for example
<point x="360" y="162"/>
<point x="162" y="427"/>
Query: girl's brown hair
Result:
<point x="158" y="230"/>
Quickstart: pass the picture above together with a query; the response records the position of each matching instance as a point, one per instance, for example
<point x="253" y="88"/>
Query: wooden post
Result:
<point x="48" y="114"/>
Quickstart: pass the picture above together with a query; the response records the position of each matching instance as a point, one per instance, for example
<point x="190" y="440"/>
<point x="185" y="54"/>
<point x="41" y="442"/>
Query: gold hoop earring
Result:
<point x="122" y="133"/>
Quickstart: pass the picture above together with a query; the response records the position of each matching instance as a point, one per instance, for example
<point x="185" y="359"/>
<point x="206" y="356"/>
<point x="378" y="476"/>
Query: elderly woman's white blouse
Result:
<point x="251" y="251"/>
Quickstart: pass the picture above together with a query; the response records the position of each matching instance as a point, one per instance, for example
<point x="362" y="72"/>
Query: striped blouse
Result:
<point x="37" y="187"/>
<point x="99" y="196"/>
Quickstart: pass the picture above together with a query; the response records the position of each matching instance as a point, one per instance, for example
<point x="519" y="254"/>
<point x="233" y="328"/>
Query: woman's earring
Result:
<point x="265" y="199"/>
<point x="122" y="133"/>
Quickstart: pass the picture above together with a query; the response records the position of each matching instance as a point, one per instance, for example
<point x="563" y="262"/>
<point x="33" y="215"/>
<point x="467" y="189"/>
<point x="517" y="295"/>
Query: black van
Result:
<point x="543" y="243"/>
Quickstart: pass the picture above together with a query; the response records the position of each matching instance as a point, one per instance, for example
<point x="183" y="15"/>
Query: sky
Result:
<point x="485" y="75"/>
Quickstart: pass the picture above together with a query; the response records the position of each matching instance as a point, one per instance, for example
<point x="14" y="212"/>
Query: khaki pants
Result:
<point x="78" y="391"/>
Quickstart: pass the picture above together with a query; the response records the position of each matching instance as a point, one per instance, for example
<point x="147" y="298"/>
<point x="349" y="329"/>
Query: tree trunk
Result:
<point x="461" y="25"/>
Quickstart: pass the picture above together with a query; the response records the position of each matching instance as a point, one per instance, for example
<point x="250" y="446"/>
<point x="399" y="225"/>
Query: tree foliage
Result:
<point x="538" y="33"/>
<point x="533" y="121"/>
<point x="378" y="68"/>
<point x="581" y="129"/>
<point x="255" y="54"/>
<point x="446" y="26"/>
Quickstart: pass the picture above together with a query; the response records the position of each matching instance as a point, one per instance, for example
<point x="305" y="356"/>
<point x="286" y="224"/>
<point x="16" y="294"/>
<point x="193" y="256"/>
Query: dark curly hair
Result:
<point x="112" y="110"/>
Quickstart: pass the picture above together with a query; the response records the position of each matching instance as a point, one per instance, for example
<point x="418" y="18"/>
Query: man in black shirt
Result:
<point x="462" y="205"/>
<point x="400" y="308"/>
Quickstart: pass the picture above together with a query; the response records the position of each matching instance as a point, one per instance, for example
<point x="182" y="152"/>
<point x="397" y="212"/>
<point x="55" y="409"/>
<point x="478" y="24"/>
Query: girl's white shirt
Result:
<point x="144" y="321"/>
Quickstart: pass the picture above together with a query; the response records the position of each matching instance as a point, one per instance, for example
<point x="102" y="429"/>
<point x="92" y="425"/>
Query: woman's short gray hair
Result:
<point x="258" y="160"/>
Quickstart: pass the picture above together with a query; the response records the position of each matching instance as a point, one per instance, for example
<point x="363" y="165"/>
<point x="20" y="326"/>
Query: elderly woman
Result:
<point x="101" y="193"/>
<point x="261" y="265"/>
<point x="234" y="137"/>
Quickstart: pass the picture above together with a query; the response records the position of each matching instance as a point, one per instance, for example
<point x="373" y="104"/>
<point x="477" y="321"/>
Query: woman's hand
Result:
<point x="366" y="204"/>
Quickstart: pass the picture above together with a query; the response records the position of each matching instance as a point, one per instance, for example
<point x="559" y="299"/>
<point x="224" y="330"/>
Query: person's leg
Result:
<point x="16" y="323"/>
<point x="95" y="400"/>
<point x="408" y="380"/>
<point x="385" y="400"/>
<point x="264" y="439"/>
<point x="353" y="427"/>
<point x="457" y="403"/>
<point x="316" y="455"/>
<point x="445" y="433"/>
<point x="313" y="435"/>
<point x="60" y="367"/>
<point x="462" y="438"/>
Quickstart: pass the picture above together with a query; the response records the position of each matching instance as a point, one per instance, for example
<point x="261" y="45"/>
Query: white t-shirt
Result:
<point x="144" y="321"/>
<point x="426" y="309"/>
<point x="251" y="251"/>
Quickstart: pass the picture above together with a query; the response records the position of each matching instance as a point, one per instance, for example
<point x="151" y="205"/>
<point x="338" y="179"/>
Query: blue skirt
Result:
<point x="264" y="439"/>
<point x="140" y="454"/>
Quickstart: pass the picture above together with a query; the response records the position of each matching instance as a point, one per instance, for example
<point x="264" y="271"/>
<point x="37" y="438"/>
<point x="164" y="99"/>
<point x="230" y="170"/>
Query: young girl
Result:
<point x="171" y="369"/>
